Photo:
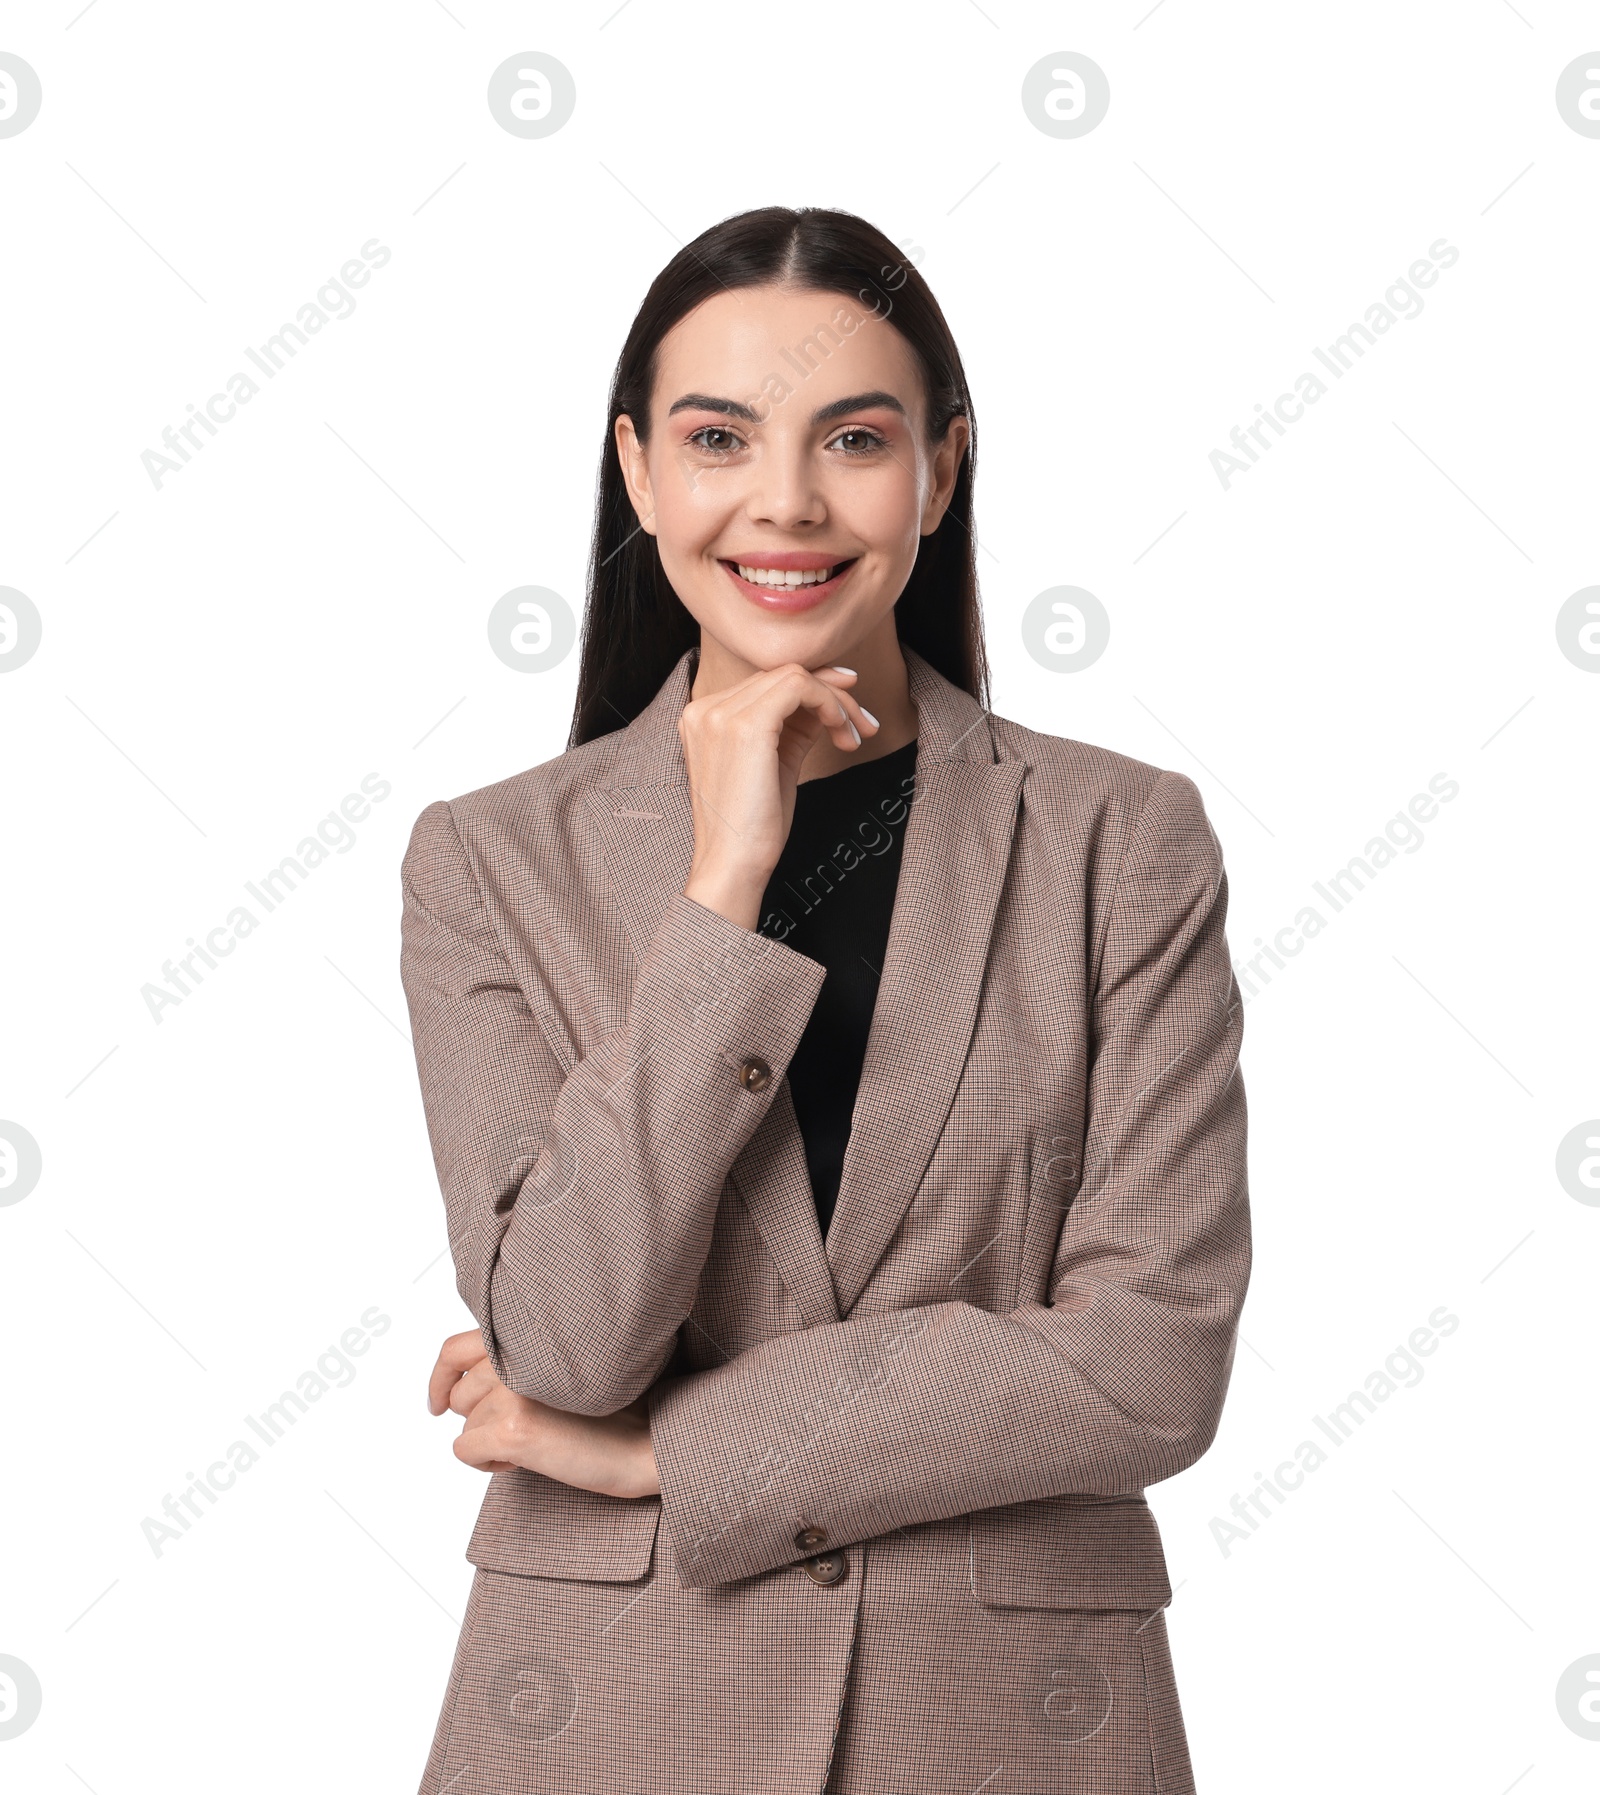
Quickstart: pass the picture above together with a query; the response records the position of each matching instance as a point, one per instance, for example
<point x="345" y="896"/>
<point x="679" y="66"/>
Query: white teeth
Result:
<point x="772" y="576"/>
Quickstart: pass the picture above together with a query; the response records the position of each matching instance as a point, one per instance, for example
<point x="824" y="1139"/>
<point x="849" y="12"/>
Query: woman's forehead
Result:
<point x="737" y="344"/>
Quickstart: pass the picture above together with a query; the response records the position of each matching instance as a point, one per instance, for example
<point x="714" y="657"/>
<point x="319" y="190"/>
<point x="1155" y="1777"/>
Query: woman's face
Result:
<point x="788" y="477"/>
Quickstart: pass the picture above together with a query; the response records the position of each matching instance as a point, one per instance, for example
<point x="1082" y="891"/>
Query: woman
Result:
<point x="834" y="1089"/>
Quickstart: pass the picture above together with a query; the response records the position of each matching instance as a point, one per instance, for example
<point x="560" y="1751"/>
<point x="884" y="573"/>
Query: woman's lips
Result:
<point x="789" y="598"/>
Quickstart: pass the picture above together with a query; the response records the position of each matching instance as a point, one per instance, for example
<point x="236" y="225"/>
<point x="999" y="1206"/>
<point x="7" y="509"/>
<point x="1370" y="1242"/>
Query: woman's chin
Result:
<point x="765" y="643"/>
<point x="818" y="638"/>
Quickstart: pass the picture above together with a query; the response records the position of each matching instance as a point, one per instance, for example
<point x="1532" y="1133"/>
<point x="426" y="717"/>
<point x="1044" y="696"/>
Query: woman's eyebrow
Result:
<point x="700" y="402"/>
<point x="859" y="402"/>
<point x="734" y="408"/>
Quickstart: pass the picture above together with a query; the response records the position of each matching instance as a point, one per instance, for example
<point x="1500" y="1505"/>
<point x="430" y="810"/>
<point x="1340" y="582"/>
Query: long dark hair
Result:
<point x="635" y="627"/>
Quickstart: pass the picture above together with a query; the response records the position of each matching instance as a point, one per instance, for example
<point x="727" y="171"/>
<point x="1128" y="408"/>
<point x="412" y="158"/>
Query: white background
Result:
<point x="226" y="1191"/>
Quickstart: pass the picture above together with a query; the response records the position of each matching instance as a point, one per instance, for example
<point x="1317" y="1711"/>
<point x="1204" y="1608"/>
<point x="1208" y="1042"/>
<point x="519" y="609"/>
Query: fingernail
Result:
<point x="844" y="669"/>
<point x="869" y="716"/>
<point x="855" y="732"/>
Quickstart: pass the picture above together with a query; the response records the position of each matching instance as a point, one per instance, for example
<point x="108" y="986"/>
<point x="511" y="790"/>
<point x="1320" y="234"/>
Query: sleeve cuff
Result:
<point x="752" y="995"/>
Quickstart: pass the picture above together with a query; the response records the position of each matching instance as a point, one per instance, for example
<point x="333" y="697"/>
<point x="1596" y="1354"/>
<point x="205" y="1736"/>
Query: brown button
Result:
<point x="827" y="1569"/>
<point x="808" y="1539"/>
<point x="755" y="1075"/>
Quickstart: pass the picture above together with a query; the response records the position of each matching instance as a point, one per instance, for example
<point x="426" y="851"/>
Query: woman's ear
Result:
<point x="946" y="465"/>
<point x="636" y="474"/>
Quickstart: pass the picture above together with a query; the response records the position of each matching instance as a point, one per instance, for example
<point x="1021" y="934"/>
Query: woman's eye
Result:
<point x="858" y="442"/>
<point x="715" y="440"/>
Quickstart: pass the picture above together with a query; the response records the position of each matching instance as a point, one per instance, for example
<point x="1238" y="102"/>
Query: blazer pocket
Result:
<point x="539" y="1527"/>
<point x="1069" y="1552"/>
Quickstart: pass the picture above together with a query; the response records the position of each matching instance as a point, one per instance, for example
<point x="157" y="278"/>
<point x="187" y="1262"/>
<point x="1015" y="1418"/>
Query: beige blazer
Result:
<point x="902" y="1541"/>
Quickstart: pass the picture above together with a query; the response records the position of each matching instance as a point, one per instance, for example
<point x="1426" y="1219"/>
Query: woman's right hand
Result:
<point x="743" y="748"/>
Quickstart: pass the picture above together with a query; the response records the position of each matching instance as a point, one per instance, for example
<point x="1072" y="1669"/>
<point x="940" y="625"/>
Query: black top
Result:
<point x="831" y="897"/>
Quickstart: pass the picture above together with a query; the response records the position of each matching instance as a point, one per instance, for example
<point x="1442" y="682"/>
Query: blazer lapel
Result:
<point x="953" y="867"/>
<point x="645" y="824"/>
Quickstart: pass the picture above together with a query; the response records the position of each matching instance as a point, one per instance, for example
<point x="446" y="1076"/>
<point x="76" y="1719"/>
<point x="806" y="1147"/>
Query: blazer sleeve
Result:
<point x="887" y="1420"/>
<point x="580" y="1194"/>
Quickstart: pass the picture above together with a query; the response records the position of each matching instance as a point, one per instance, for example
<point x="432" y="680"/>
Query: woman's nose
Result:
<point x="785" y="492"/>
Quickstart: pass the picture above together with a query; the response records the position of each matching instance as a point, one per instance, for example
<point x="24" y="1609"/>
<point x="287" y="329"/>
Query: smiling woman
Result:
<point x="797" y="347"/>
<point x="854" y="1228"/>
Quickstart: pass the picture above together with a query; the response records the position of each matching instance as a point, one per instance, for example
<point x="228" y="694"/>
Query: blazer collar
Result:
<point x="953" y="866"/>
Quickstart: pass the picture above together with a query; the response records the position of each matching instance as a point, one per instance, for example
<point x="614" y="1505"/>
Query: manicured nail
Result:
<point x="855" y="732"/>
<point x="844" y="669"/>
<point x="869" y="716"/>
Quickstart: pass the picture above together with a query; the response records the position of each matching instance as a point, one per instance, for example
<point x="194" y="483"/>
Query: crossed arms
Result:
<point x="581" y="1197"/>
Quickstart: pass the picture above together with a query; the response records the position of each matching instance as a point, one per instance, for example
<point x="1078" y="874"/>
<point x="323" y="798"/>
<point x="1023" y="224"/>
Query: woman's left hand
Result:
<point x="610" y="1454"/>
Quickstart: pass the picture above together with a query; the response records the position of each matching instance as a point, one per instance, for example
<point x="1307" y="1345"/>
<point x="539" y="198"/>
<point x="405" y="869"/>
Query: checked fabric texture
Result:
<point x="902" y="1542"/>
